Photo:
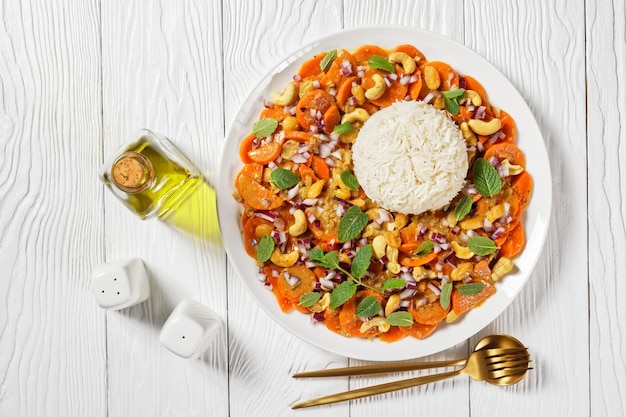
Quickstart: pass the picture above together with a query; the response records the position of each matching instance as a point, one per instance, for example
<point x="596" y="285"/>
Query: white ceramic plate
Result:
<point x="501" y="93"/>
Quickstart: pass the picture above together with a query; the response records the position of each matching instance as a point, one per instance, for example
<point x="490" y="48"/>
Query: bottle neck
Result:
<point x="132" y="172"/>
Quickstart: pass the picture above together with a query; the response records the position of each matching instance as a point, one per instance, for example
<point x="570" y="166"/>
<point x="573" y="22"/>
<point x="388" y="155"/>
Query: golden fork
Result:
<point x="492" y="365"/>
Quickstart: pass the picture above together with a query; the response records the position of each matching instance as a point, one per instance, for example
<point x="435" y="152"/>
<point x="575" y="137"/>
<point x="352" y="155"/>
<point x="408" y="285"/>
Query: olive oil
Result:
<point x="151" y="176"/>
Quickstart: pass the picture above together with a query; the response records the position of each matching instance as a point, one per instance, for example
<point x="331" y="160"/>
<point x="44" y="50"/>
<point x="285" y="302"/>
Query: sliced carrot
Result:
<point x="408" y="234"/>
<point x="482" y="270"/>
<point x="312" y="102"/>
<point x="349" y="321"/>
<point x="253" y="171"/>
<point x="508" y="127"/>
<point x="506" y="150"/>
<point x="256" y="195"/>
<point x="306" y="171"/>
<point x="514" y="243"/>
<point x="250" y="236"/>
<point x="321" y="169"/>
<point x="394" y="92"/>
<point x="331" y="319"/>
<point x="416" y="87"/>
<point x="298" y="135"/>
<point x="431" y="313"/>
<point x="418" y="330"/>
<point x="523" y="188"/>
<point x="331" y="118"/>
<point x="370" y="107"/>
<point x="285" y="304"/>
<point x="344" y="91"/>
<point x="307" y="280"/>
<point x="274" y="112"/>
<point x="334" y="75"/>
<point x="409" y="248"/>
<point x="394" y="334"/>
<point x="410" y="50"/>
<point x="311" y="68"/>
<point x="448" y="75"/>
<point x="472" y="84"/>
<point x="463" y="303"/>
<point x="246" y="146"/>
<point x="363" y="53"/>
<point x="412" y="261"/>
<point x="266" y="153"/>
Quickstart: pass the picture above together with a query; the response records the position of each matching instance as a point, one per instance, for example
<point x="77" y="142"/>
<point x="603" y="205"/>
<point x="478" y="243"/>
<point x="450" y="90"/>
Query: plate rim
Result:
<point x="254" y="100"/>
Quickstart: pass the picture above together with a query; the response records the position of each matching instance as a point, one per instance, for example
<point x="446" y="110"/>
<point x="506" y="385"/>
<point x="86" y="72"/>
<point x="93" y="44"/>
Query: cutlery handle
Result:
<point x="377" y="389"/>
<point x="380" y="368"/>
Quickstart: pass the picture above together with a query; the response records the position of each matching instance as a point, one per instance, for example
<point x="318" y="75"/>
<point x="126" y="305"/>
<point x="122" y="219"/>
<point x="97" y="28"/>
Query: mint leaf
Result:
<point x="400" y="318"/>
<point x="345" y="127"/>
<point x="377" y="61"/>
<point x="265" y="248"/>
<point x="351" y="224"/>
<point x="452" y="106"/>
<point x="471" y="288"/>
<point x="284" y="178"/>
<point x="328" y="60"/>
<point x="425" y="248"/>
<point x="481" y="245"/>
<point x="310" y="298"/>
<point x="361" y="261"/>
<point x="454" y="94"/>
<point x="486" y="178"/>
<point x="444" y="297"/>
<point x="393" y="284"/>
<point x="342" y="293"/>
<point x="327" y="260"/>
<point x="368" y="307"/>
<point x="350" y="180"/>
<point x="264" y="127"/>
<point x="463" y="208"/>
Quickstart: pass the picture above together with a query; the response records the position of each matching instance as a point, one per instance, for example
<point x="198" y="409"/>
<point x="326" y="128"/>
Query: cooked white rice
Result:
<point x="410" y="158"/>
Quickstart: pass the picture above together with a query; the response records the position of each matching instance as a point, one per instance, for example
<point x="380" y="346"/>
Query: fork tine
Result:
<point x="500" y="358"/>
<point x="509" y="372"/>
<point x="488" y="353"/>
<point x="508" y="364"/>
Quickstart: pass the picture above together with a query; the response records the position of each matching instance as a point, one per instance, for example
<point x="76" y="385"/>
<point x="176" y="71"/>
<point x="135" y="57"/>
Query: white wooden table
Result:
<point x="78" y="76"/>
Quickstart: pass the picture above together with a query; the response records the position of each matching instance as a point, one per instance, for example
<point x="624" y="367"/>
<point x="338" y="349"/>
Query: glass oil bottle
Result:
<point x="150" y="175"/>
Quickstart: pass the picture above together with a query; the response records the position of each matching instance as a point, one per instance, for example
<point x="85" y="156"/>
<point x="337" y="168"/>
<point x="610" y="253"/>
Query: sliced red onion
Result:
<point x="421" y="231"/>
<point x="383" y="260"/>
<point x="470" y="107"/>
<point x="451" y="259"/>
<point x="507" y="212"/>
<point x="336" y="154"/>
<point x="462" y="82"/>
<point x="387" y="81"/>
<point x="384" y="215"/>
<point x="406" y="275"/>
<point x="261" y="275"/>
<point x="310" y="217"/>
<point x="360" y="74"/>
<point x="310" y="201"/>
<point x="310" y="264"/>
<point x="405" y="304"/>
<point x="438" y="267"/>
<point x="487" y="225"/>
<point x="470" y="233"/>
<point x="445" y="280"/>
<point x="407" y="294"/>
<point x="267" y="104"/>
<point x="434" y="288"/>
<point x="314" y="129"/>
<point x="411" y="285"/>
<point x="279" y="223"/>
<point x="494" y="161"/>
<point x="325" y="150"/>
<point x="503" y="170"/>
<point x="316" y="84"/>
<point x="480" y="113"/>
<point x="444" y="246"/>
<point x="332" y="91"/>
<point x="456" y="229"/>
<point x="299" y="159"/>
<point x="413" y="78"/>
<point x="438" y="237"/>
<point x="498" y="233"/>
<point x="480" y="146"/>
<point x="293" y="192"/>
<point x="265" y="215"/>
<point x="297" y="77"/>
<point x="467" y="280"/>
<point x="329" y="162"/>
<point x="352" y="101"/>
<point x="393" y="76"/>
<point x="318" y="317"/>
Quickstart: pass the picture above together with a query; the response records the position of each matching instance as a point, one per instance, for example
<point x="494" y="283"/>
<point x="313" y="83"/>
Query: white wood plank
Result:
<point x="539" y="46"/>
<point x="445" y="17"/>
<point x="257" y="36"/>
<point x="52" y="357"/>
<point x="606" y="104"/>
<point x="162" y="70"/>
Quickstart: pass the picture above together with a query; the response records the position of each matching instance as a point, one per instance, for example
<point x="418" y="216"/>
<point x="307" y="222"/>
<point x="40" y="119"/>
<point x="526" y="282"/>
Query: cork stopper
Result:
<point x="132" y="172"/>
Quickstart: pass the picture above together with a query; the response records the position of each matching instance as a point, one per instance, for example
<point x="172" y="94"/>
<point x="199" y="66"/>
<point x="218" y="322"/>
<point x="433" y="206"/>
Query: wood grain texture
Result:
<point x="163" y="70"/>
<point x="52" y="358"/>
<point x="606" y="104"/>
<point x="258" y="36"/>
<point x="539" y="46"/>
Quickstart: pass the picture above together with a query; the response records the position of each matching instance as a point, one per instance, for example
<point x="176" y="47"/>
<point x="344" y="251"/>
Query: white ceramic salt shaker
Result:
<point x="122" y="284"/>
<point x="189" y="329"/>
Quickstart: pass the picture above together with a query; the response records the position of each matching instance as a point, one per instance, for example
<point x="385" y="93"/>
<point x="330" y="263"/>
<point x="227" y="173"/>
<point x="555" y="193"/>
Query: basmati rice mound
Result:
<point x="410" y="158"/>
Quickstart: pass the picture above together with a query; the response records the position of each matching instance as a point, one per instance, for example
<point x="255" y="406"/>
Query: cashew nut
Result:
<point x="471" y="224"/>
<point x="284" y="259"/>
<point x="393" y="267"/>
<point x="378" y="89"/>
<point x="393" y="239"/>
<point x="288" y="95"/>
<point x="513" y="169"/>
<point x="469" y="136"/>
<point x="451" y="317"/>
<point x="439" y="103"/>
<point x="451" y="219"/>
<point x="289" y="149"/>
<point x="299" y="226"/>
<point x="316" y="189"/>
<point x="358" y="93"/>
<point x="481" y="127"/>
<point x="461" y="252"/>
<point x="501" y="268"/>
<point x="400" y="220"/>
<point x="392" y="255"/>
<point x="495" y="213"/>
<point x="379" y="246"/>
<point x="378" y="322"/>
<point x="290" y="123"/>
<point x="474" y="97"/>
<point x="357" y="115"/>
<point x="462" y="271"/>
<point x="431" y="77"/>
<point x="321" y="304"/>
<point x="393" y="303"/>
<point x="342" y="193"/>
<point x="305" y="87"/>
<point x="408" y="63"/>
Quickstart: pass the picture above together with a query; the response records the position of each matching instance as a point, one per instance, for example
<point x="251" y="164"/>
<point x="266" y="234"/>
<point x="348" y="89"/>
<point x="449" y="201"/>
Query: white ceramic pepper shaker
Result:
<point x="190" y="329"/>
<point x="117" y="285"/>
